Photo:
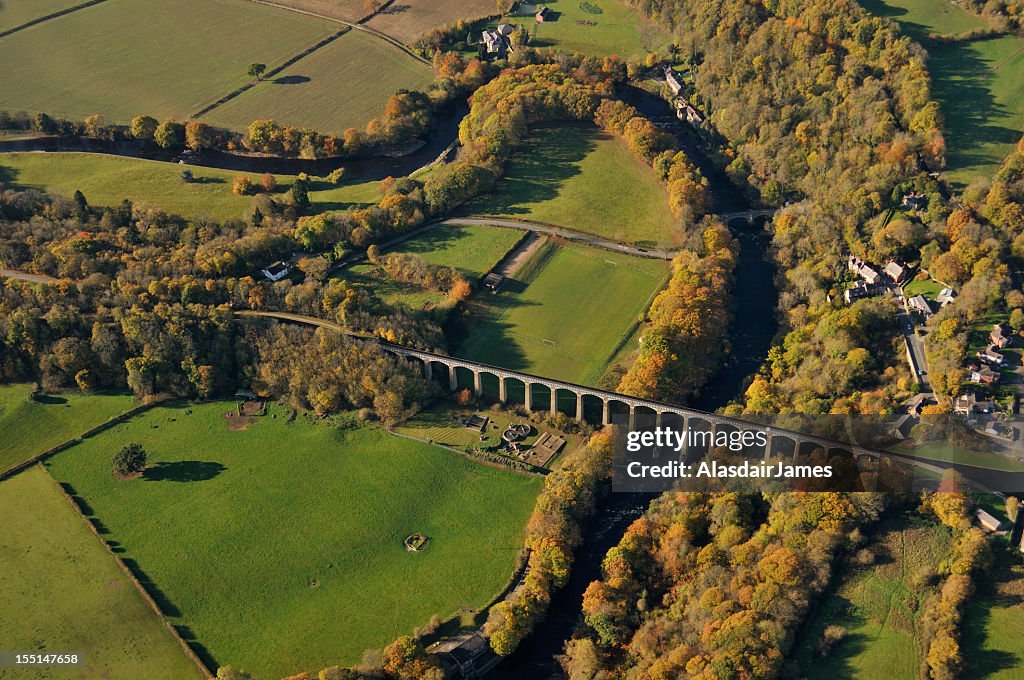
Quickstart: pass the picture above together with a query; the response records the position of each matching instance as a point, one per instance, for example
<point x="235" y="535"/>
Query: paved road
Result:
<point x="25" y="276"/>
<point x="916" y="344"/>
<point x="565" y="233"/>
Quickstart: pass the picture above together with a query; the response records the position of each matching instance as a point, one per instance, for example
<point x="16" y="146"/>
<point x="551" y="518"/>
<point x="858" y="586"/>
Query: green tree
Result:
<point x="257" y="70"/>
<point x="130" y="460"/>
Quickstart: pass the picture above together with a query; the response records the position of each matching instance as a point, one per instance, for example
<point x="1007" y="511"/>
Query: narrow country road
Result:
<point x="25" y="276"/>
<point x="563" y="232"/>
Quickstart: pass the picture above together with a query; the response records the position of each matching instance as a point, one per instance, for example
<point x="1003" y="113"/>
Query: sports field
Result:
<point x="407" y="19"/>
<point x="609" y="27"/>
<point x="164" y="58"/>
<point x="17" y="12"/>
<point x="280" y="546"/>
<point x="565" y="314"/>
<point x="62" y="592"/>
<point x="341" y="85"/>
<point x="107" y="180"/>
<point x="977" y="83"/>
<point x="580" y="178"/>
<point x="874" y="604"/>
<point x="29" y="428"/>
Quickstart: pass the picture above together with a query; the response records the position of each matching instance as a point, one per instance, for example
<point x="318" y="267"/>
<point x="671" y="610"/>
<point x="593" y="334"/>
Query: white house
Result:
<point x="276" y="271"/>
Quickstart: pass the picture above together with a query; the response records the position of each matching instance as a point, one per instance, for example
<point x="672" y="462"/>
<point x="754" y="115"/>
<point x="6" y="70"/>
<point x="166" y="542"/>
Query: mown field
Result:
<point x="62" y="592"/>
<point x="993" y="628"/>
<point x="164" y="58"/>
<point x="346" y="10"/>
<point x="953" y="454"/>
<point x="107" y="180"/>
<point x="29" y="428"/>
<point x="580" y="178"/>
<point x="977" y="82"/>
<point x="877" y="606"/>
<point x="280" y="546"/>
<point x="17" y="12"/>
<point x="473" y="250"/>
<point x="407" y="19"/>
<point x="341" y="85"/>
<point x="613" y="28"/>
<point x="564" y="315"/>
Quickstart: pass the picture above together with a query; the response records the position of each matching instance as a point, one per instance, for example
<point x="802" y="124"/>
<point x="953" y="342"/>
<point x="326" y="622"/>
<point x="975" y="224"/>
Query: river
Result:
<point x="753" y="328"/>
<point x="444" y="131"/>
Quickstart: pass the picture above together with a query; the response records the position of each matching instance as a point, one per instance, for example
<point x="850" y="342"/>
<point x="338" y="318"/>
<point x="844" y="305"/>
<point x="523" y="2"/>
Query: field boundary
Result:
<point x="359" y="25"/>
<point x="105" y="425"/>
<point x="51" y="15"/>
<point x="189" y="652"/>
<point x="271" y="73"/>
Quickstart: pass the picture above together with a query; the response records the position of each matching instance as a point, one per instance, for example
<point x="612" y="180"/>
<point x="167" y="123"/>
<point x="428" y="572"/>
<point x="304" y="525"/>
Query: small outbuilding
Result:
<point x="276" y="271"/>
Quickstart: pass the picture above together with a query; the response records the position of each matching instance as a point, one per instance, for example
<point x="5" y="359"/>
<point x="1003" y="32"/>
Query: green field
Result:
<point x="62" y="592"/>
<point x="929" y="288"/>
<point x="553" y="320"/>
<point x="978" y="84"/>
<point x="472" y="249"/>
<point x="164" y="58"/>
<point x="580" y="178"/>
<point x="873" y="604"/>
<point x="279" y="546"/>
<point x="993" y="627"/>
<point x="616" y="29"/>
<point x="29" y="428"/>
<point x="341" y="85"/>
<point x="107" y="180"/>
<point x="17" y="12"/>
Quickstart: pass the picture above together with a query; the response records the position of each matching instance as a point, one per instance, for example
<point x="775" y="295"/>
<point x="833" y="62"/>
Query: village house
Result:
<point x="859" y="291"/>
<point x="276" y="271"/>
<point x="919" y="304"/>
<point x="991" y="356"/>
<point x="901" y="429"/>
<point x="863" y="270"/>
<point x="497" y="40"/>
<point x="968" y="404"/>
<point x="896" y="271"/>
<point x="915" y="201"/>
<point x="675" y="85"/>
<point x="945" y="296"/>
<point x="1000" y="336"/>
<point x="983" y="375"/>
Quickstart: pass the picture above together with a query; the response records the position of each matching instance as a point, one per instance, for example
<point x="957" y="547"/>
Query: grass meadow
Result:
<point x="977" y="83"/>
<point x="472" y="249"/>
<point x="613" y="29"/>
<point x="164" y="58"/>
<point x="876" y="606"/>
<point x="952" y="454"/>
<point x="62" y="592"/>
<point x="107" y="180"/>
<point x="343" y="84"/>
<point x="581" y="178"/>
<point x="565" y="314"/>
<point x="993" y="628"/>
<point x="29" y="428"/>
<point x="279" y="546"/>
<point x="17" y="12"/>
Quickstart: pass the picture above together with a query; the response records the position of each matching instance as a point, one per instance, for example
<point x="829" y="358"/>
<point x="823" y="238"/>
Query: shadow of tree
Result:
<point x="1003" y="589"/>
<point x="292" y="80"/>
<point x="50" y="399"/>
<point x="183" y="471"/>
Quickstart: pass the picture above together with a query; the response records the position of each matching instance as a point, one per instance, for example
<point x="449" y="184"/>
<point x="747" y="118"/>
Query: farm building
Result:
<point x="543" y="14"/>
<point x="989" y="522"/>
<point x="276" y="271"/>
<point x="493" y="282"/>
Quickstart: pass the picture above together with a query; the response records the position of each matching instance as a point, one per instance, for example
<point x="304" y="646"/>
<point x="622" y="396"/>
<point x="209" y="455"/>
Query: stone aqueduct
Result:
<point x="801" y="443"/>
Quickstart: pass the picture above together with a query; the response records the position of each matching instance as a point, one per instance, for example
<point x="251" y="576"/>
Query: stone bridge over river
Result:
<point x="691" y="418"/>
